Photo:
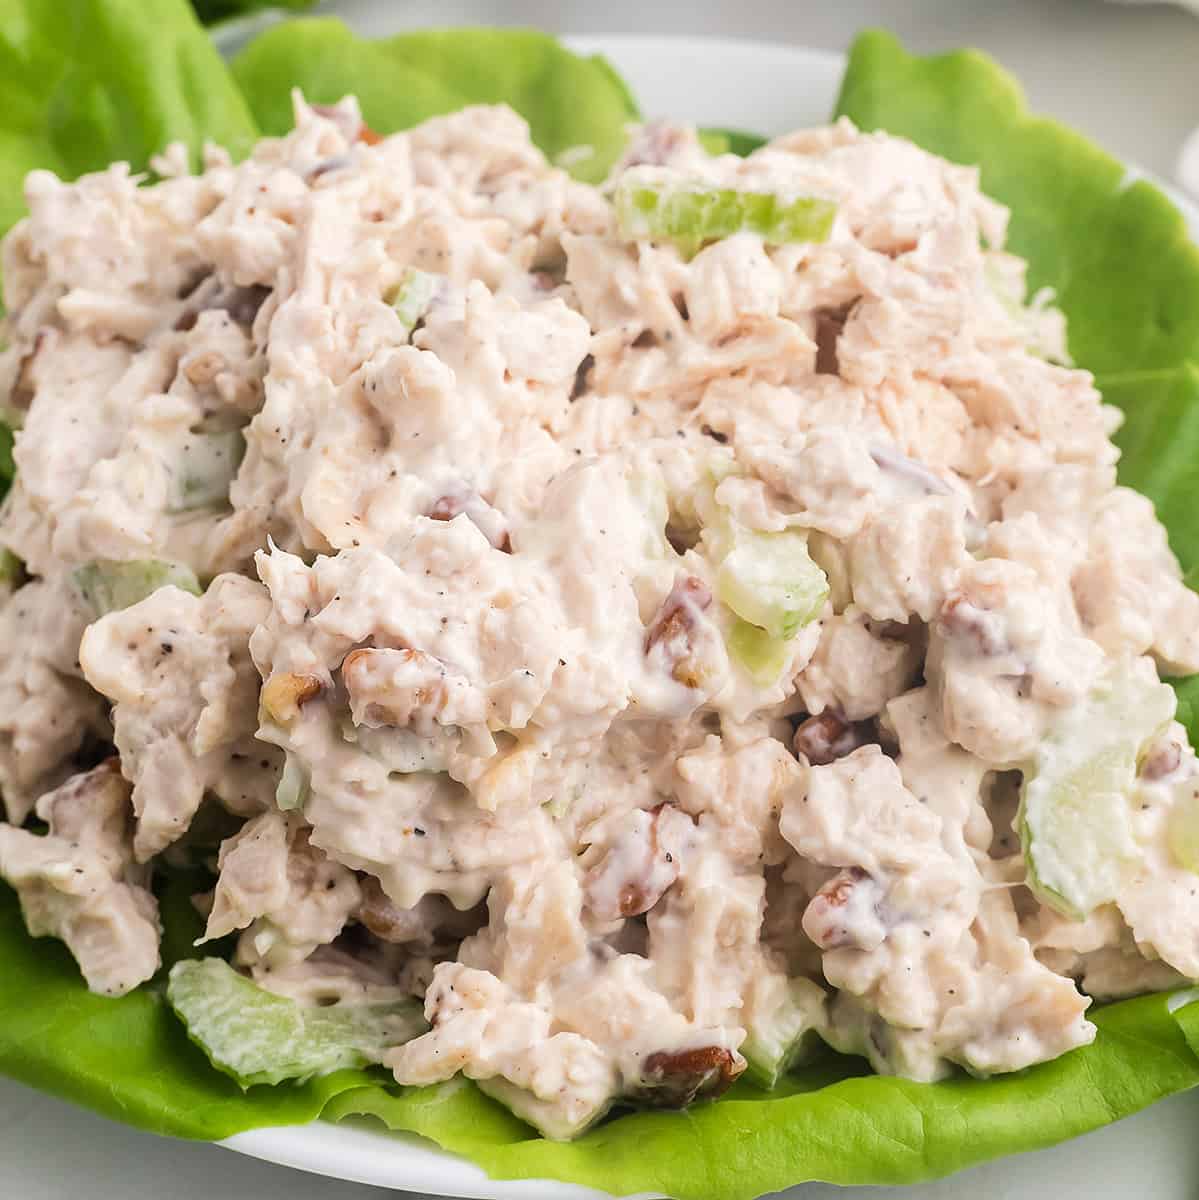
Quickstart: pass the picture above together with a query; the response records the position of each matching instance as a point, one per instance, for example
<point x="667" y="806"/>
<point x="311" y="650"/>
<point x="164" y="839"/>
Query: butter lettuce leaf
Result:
<point x="87" y="82"/>
<point x="569" y="100"/>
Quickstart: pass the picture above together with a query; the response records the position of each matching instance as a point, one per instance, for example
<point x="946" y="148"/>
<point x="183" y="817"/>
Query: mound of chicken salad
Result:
<point x="605" y="640"/>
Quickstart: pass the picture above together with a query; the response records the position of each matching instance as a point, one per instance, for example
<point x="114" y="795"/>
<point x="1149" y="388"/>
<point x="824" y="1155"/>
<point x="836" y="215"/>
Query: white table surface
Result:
<point x="1129" y="77"/>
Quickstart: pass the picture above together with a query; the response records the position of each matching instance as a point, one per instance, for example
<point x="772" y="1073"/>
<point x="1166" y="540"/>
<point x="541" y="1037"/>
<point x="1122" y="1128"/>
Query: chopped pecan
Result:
<point x="966" y="621"/>
<point x="285" y="693"/>
<point x="675" y="1078"/>
<point x="846" y="912"/>
<point x="671" y="633"/>
<point x="826" y="737"/>
<point x="386" y="920"/>
<point x="639" y="866"/>
<point x="582" y="374"/>
<point x="830" y="322"/>
<point x="1163" y="759"/>
<point x="408" y="688"/>
<point x="242" y="303"/>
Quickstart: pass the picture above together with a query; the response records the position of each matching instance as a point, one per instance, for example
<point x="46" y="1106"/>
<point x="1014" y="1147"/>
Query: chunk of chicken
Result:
<point x="78" y="883"/>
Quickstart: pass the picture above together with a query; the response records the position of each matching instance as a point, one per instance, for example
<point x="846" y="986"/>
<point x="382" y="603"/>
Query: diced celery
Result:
<point x="258" y="1037"/>
<point x="208" y="464"/>
<point x="693" y="213"/>
<point x="763" y="656"/>
<point x="785" y="1036"/>
<point x="411" y="296"/>
<point x="292" y="790"/>
<point x="770" y="580"/>
<point x="108" y="586"/>
<point x="1075" y="816"/>
<point x="1182" y="832"/>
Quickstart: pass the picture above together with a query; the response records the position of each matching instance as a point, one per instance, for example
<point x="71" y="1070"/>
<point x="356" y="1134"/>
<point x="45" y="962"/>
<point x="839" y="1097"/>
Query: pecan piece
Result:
<point x="285" y="693"/>
<point x="846" y="912"/>
<point x="1163" y="759"/>
<point x="826" y="737"/>
<point x="640" y="865"/>
<point x="408" y="688"/>
<point x="967" y="622"/>
<point x="671" y="633"/>
<point x="830" y="322"/>
<point x="676" y="1078"/>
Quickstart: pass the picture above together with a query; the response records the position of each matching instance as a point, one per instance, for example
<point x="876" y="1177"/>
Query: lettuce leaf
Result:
<point x="569" y="101"/>
<point x="87" y="82"/>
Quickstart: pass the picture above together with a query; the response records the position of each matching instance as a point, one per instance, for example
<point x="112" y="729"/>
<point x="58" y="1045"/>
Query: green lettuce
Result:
<point x="82" y="83"/>
<point x="86" y="82"/>
<point x="569" y="101"/>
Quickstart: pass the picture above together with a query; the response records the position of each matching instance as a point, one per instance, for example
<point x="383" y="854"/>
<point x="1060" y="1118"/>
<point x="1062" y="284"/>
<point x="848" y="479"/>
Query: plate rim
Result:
<point x="354" y="1150"/>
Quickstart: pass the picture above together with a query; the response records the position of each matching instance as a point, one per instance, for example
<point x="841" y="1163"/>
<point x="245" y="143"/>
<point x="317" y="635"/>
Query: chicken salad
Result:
<point x="657" y="636"/>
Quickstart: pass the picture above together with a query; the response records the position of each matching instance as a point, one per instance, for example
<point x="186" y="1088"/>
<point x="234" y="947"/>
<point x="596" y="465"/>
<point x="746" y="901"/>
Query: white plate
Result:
<point x="768" y="89"/>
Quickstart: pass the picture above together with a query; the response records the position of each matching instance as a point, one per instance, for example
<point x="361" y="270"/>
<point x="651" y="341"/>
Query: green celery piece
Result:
<point x="411" y="297"/>
<point x="569" y="100"/>
<point x="692" y="213"/>
<point x="128" y="1058"/>
<point x="763" y="656"/>
<point x="87" y="82"/>
<point x="258" y="1037"/>
<point x="770" y="580"/>
<point x="292" y="790"/>
<point x="788" y="1038"/>
<point x="110" y="586"/>
<point x="1075" y="817"/>
<point x="208" y="466"/>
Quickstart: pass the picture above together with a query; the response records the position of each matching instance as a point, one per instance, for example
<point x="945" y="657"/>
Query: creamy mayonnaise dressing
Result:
<point x="494" y="694"/>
